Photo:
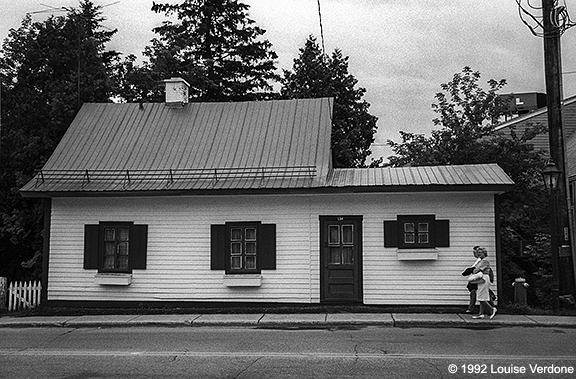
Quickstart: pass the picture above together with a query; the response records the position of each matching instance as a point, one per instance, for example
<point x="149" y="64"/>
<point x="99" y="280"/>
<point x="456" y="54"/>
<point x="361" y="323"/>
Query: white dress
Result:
<point x="482" y="294"/>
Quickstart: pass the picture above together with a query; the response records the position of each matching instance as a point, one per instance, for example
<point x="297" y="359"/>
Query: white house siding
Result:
<point x="178" y="259"/>
<point x="178" y="263"/>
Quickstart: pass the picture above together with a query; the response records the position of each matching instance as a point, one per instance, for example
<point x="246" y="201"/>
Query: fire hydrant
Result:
<point x="520" y="286"/>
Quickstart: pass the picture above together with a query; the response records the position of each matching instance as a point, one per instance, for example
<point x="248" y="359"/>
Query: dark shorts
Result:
<point x="472" y="287"/>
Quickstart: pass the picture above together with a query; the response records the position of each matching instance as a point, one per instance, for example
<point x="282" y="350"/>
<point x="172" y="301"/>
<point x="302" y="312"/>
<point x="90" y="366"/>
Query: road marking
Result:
<point x="246" y="354"/>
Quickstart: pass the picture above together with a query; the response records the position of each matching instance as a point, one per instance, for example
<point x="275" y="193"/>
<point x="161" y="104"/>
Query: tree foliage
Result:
<point x="466" y="135"/>
<point x="48" y="69"/>
<point x="465" y="116"/>
<point x="314" y="74"/>
<point x="214" y="45"/>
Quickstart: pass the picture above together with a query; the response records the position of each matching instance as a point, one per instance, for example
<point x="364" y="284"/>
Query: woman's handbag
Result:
<point x="476" y="278"/>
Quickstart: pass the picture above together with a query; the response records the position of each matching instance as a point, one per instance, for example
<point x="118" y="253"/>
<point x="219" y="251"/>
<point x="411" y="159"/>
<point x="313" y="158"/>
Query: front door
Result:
<point x="341" y="258"/>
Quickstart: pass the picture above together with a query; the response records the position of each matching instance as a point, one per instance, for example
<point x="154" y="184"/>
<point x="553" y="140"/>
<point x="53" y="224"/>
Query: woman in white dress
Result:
<point x="483" y="293"/>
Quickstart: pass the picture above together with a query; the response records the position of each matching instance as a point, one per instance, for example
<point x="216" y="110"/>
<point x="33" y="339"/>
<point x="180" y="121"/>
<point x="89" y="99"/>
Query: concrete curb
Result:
<point x="304" y="320"/>
<point x="427" y="319"/>
<point x="227" y="320"/>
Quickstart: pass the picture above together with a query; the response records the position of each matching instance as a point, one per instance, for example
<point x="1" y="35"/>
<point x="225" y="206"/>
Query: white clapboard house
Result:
<point x="238" y="202"/>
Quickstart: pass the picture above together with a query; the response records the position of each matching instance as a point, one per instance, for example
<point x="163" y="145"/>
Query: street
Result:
<point x="217" y="352"/>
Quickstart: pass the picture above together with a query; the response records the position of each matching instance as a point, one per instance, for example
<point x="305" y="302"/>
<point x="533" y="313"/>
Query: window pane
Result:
<point x="122" y="261"/>
<point x="123" y="248"/>
<point x="347" y="234"/>
<point x="422" y="237"/>
<point x="409" y="227"/>
<point x="251" y="248"/>
<point x="109" y="248"/>
<point x="251" y="262"/>
<point x="236" y="262"/>
<point x="109" y="261"/>
<point x="109" y="235"/>
<point x="333" y="234"/>
<point x="236" y="234"/>
<point x="335" y="255"/>
<point x="346" y="255"/>
<point x="250" y="234"/>
<point x="408" y="237"/>
<point x="423" y="227"/>
<point x="236" y="248"/>
<point x="123" y="234"/>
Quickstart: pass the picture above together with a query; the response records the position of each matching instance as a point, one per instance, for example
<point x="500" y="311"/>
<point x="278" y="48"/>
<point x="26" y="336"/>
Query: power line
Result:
<point x="321" y="28"/>
<point x="533" y="17"/>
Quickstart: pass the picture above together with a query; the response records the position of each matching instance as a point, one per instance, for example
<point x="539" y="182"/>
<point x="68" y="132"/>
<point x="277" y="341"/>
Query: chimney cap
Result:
<point x="176" y="79"/>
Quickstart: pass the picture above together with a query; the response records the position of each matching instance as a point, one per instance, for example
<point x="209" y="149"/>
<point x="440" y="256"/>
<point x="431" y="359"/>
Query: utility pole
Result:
<point x="562" y="273"/>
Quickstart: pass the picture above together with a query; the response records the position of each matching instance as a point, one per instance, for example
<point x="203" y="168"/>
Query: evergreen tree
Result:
<point x="313" y="75"/>
<point x="213" y="45"/>
<point x="48" y="69"/>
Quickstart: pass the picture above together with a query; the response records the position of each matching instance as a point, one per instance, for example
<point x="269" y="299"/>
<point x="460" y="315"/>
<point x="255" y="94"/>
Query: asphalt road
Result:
<point x="207" y="352"/>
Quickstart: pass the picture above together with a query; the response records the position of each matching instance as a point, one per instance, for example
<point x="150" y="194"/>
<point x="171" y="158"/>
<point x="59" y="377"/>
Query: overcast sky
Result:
<point x="400" y="50"/>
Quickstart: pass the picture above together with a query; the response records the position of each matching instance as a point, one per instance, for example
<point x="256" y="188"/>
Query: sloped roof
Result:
<point x="119" y="147"/>
<point x="540" y="116"/>
<point x="132" y="149"/>
<point x="423" y="176"/>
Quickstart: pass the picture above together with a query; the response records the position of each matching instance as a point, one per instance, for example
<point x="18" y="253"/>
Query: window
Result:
<point x="243" y="247"/>
<point x="115" y="246"/>
<point x="243" y="244"/>
<point x="341" y="244"/>
<point x="416" y="232"/>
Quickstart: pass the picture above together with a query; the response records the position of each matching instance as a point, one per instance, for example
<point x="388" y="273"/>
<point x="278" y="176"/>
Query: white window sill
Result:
<point x="113" y="279"/>
<point x="417" y="254"/>
<point x="242" y="280"/>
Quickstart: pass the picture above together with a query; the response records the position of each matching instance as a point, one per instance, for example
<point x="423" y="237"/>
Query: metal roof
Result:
<point x="152" y="146"/>
<point x="209" y="147"/>
<point x="423" y="176"/>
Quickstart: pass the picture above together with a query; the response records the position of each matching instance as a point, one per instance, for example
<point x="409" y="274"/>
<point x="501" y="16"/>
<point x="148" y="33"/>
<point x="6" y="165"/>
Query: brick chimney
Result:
<point x="176" y="91"/>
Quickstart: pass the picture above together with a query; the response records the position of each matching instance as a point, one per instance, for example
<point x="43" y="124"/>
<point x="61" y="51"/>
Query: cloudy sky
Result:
<point x="399" y="50"/>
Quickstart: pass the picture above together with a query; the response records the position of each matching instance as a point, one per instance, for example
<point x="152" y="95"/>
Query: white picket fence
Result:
<point x="23" y="295"/>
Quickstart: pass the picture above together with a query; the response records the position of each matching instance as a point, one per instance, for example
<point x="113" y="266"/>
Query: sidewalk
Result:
<point x="303" y="320"/>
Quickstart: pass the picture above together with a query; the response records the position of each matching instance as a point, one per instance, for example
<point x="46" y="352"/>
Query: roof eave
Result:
<point x="490" y="188"/>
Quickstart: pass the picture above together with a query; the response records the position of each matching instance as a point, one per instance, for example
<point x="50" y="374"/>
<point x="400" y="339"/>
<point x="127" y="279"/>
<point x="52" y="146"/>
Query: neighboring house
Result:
<point x="239" y="202"/>
<point x="541" y="141"/>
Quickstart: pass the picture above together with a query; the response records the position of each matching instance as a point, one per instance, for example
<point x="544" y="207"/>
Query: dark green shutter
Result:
<point x="390" y="233"/>
<point x="218" y="247"/>
<point x="91" y="246"/>
<point x="267" y="248"/>
<point x="138" y="246"/>
<point x="442" y="233"/>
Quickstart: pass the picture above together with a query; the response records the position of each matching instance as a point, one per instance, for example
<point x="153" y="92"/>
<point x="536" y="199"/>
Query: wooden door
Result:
<point x="341" y="258"/>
